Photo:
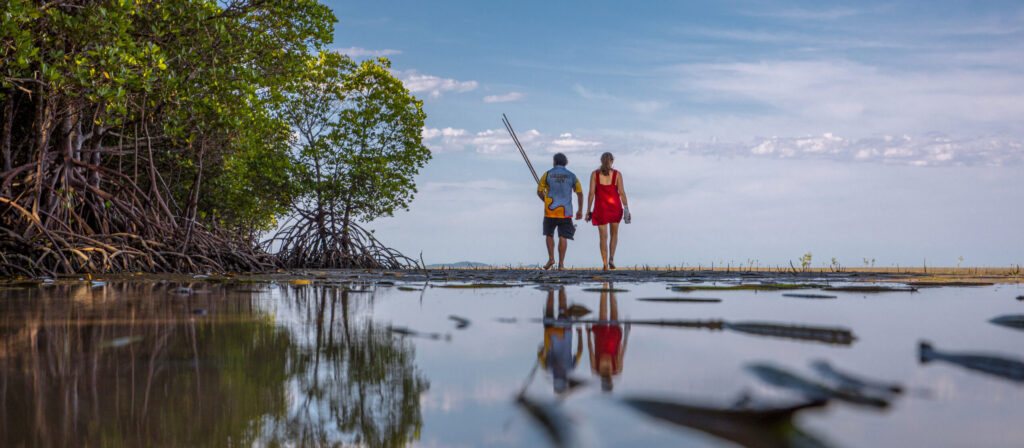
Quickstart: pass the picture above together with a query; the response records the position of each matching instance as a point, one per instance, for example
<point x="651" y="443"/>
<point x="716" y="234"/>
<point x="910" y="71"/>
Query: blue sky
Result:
<point x="745" y="131"/>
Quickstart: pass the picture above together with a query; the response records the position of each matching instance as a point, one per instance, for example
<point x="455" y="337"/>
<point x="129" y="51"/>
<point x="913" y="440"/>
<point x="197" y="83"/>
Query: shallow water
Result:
<point x="267" y="363"/>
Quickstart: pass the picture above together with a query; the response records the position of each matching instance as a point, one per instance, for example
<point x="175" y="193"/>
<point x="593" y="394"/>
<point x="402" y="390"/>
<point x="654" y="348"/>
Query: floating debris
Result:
<point x="870" y="288"/>
<point x="408" y="288"/>
<point x="301" y="282"/>
<point x="200" y="276"/>
<point x="1010" y="369"/>
<point x="181" y="291"/>
<point x="507" y="320"/>
<point x="120" y="342"/>
<point x="97" y="283"/>
<point x="846" y="381"/>
<point x="812" y="390"/>
<point x="1015" y="321"/>
<point x="460" y="322"/>
<point x="407" y="332"/>
<point x="680" y="299"/>
<point x="605" y="290"/>
<point x="764" y="427"/>
<point x="577" y="310"/>
<point x="807" y="296"/>
<point x="1021" y="298"/>
<point x="199" y="311"/>
<point x="828" y="335"/>
<point x="478" y="285"/>
<point x="550" y="417"/>
<point x="747" y="287"/>
<point x="932" y="284"/>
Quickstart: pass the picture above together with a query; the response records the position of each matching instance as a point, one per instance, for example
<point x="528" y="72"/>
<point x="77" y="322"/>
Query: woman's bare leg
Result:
<point x="603" y="309"/>
<point x="614" y="241"/>
<point x="602" y="230"/>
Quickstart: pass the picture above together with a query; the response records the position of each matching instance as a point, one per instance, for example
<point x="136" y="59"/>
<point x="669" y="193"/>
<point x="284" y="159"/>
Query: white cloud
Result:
<point x="567" y="143"/>
<point x="497" y="141"/>
<point x="511" y="96"/>
<point x="807" y="14"/>
<point x="433" y="85"/>
<point x="360" y="52"/>
<point x="792" y="97"/>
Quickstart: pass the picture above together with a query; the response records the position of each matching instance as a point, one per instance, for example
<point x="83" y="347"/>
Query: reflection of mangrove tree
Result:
<point x="359" y="384"/>
<point x="132" y="366"/>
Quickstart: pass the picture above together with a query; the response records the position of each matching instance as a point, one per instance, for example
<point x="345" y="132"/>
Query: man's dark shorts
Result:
<point x="566" y="229"/>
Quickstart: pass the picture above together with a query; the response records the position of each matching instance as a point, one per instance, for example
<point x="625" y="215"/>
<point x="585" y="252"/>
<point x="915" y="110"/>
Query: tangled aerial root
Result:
<point x="320" y="240"/>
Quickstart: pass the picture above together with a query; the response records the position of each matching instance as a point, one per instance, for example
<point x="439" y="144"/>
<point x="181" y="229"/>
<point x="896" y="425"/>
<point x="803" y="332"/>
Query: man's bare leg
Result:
<point x="551" y="252"/>
<point x="612" y="242"/>
<point x="562" y="245"/>
<point x="602" y="230"/>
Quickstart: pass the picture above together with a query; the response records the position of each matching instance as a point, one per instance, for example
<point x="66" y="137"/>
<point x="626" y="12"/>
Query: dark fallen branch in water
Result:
<point x="869" y="288"/>
<point x="997" y="365"/>
<point x="808" y="296"/>
<point x="813" y="390"/>
<point x="949" y="283"/>
<point x="828" y="335"/>
<point x="763" y="427"/>
<point x="460" y="322"/>
<point x="403" y="331"/>
<point x="679" y="299"/>
<point x="1015" y="321"/>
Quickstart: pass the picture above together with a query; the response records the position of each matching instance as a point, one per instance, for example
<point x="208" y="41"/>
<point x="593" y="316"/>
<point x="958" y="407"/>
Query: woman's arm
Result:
<point x="590" y="195"/>
<point x="622" y="189"/>
<point x="622" y="352"/>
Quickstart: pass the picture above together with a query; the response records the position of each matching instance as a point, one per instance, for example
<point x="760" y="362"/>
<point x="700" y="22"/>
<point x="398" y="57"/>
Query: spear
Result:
<point x="508" y="127"/>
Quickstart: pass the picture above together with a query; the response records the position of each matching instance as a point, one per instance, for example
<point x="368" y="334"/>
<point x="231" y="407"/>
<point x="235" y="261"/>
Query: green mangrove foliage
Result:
<point x="359" y="143"/>
<point x="154" y="134"/>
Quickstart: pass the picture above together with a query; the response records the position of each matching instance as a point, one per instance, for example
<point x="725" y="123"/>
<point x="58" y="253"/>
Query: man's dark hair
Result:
<point x="561" y="160"/>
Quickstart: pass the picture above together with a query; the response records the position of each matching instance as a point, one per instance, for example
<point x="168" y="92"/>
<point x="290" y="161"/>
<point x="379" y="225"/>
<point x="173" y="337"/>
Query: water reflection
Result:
<point x="765" y="427"/>
<point x="556" y="353"/>
<point x="133" y="364"/>
<point x="606" y="341"/>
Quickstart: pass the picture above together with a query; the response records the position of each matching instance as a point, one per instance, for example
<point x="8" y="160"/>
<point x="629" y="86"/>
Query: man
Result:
<point x="555" y="189"/>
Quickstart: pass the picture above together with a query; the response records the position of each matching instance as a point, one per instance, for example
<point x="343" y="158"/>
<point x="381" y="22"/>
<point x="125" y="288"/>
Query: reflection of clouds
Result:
<point x="450" y="398"/>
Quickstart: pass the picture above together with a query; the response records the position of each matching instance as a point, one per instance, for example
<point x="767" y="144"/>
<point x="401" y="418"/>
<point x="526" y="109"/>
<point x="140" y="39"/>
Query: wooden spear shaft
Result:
<point x="515" y="139"/>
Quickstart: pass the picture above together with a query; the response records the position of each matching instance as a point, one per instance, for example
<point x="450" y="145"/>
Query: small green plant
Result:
<point x="959" y="260"/>
<point x="805" y="261"/>
<point x="836" y="267"/>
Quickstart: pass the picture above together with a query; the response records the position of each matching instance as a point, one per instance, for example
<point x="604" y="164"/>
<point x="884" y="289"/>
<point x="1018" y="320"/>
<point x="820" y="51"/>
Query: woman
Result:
<point x="606" y="187"/>
<point x="606" y="344"/>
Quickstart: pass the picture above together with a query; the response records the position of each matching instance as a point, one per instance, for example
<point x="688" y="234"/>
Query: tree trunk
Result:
<point x="5" y="133"/>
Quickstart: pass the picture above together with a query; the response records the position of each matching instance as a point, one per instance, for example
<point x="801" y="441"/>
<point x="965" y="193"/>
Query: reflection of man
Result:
<point x="606" y="358"/>
<point x="556" y="354"/>
<point x="556" y="188"/>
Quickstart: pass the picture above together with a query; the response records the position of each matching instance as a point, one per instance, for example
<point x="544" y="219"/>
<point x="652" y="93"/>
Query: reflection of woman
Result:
<point x="608" y="199"/>
<point x="556" y="353"/>
<point x="606" y="344"/>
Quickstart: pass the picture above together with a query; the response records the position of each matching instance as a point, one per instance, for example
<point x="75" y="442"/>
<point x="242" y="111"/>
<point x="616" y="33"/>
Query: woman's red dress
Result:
<point x="607" y="204"/>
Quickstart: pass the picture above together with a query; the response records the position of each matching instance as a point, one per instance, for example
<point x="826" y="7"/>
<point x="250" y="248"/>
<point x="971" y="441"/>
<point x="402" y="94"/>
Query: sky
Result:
<point x="747" y="133"/>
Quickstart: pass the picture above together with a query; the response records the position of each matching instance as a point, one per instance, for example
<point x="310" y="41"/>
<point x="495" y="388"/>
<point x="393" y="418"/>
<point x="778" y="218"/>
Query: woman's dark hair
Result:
<point x="606" y="163"/>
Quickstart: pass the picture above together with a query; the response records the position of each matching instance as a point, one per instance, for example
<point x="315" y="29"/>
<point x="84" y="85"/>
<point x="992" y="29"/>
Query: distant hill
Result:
<point x="460" y="264"/>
